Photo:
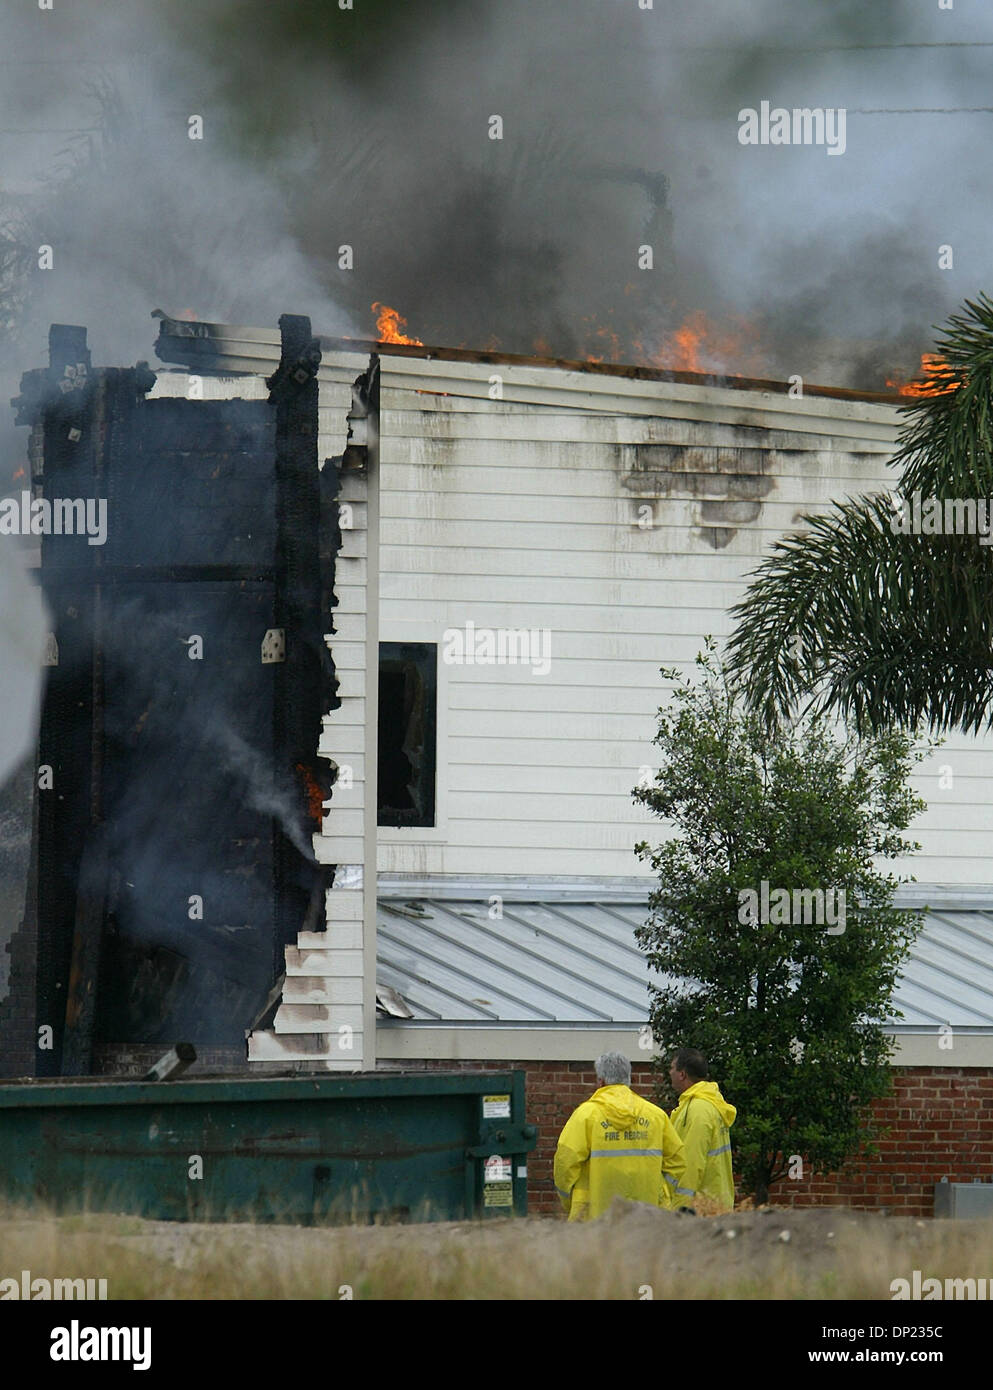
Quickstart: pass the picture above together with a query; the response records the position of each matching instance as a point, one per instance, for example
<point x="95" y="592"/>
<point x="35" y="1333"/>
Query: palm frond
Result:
<point x="879" y="626"/>
<point x="874" y="625"/>
<point x="946" y="447"/>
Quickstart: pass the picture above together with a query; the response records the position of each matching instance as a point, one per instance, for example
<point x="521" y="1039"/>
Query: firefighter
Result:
<point x="702" y="1119"/>
<point x="616" y="1145"/>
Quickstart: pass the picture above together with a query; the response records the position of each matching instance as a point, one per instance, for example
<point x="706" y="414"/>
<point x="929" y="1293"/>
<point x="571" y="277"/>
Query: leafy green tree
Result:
<point x="791" y="1016"/>
<point x="880" y="627"/>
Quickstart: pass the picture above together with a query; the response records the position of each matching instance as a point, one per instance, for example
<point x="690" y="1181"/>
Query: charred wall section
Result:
<point x="304" y="587"/>
<point x="173" y="850"/>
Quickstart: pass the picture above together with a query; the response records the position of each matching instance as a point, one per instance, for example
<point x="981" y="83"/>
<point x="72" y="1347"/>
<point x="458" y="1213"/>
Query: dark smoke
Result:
<point x="369" y="128"/>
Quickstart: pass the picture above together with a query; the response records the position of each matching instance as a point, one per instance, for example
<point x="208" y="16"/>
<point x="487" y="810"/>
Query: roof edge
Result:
<point x="397" y="1041"/>
<point x="948" y="897"/>
<point x="514" y="887"/>
<point x="184" y="341"/>
<point x="629" y="371"/>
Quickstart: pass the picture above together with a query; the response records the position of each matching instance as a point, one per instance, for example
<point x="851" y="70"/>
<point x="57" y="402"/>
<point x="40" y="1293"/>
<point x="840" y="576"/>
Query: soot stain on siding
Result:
<point x="730" y="483"/>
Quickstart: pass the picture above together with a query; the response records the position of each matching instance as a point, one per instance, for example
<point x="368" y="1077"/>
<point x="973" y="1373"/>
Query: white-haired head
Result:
<point x="613" y="1069"/>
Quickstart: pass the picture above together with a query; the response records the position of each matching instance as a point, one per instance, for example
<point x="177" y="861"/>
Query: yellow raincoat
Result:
<point x="616" y="1145"/>
<point x="702" y="1119"/>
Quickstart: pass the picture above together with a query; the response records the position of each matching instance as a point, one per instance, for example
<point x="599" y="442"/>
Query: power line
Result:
<point x="72" y="62"/>
<point x="819" y="48"/>
<point x="860" y="111"/>
<point x="914" y="110"/>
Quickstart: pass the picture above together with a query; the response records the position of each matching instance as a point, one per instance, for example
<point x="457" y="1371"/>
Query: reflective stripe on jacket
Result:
<point x="703" y="1119"/>
<point x="616" y="1145"/>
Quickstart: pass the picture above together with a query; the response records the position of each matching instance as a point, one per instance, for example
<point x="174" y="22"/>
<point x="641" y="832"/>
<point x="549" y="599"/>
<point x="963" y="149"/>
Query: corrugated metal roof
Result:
<point x="949" y="976"/>
<point x="577" y="962"/>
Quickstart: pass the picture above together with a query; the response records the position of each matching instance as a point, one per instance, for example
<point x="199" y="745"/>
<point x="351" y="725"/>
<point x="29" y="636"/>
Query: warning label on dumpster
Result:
<point x="498" y="1194"/>
<point x="496" y="1107"/>
<point x="497" y="1169"/>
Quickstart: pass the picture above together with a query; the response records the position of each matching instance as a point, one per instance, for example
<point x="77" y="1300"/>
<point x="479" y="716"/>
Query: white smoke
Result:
<point x="23" y="625"/>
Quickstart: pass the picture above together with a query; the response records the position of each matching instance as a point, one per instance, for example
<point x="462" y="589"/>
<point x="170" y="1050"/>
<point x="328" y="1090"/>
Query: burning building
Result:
<point x="343" y="719"/>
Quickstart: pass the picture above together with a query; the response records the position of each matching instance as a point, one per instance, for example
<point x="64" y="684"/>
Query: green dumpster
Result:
<point x="377" y="1146"/>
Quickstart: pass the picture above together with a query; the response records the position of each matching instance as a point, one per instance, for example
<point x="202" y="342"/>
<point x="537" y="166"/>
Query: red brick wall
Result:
<point x="135" y="1060"/>
<point x="941" y="1126"/>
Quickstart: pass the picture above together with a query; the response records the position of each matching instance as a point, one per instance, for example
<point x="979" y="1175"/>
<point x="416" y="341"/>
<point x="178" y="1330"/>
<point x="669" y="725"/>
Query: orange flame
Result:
<point x="313" y="793"/>
<point x="389" y="324"/>
<point x="604" y="338"/>
<point x="939" y="378"/>
<point x="20" y="474"/>
<point x="689" y="338"/>
<point x="698" y="345"/>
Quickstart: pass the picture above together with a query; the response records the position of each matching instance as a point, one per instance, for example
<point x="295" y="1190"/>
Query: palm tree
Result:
<point x="882" y="628"/>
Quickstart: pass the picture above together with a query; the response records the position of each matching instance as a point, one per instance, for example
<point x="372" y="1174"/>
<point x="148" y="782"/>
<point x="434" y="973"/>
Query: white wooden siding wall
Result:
<point x="320" y="1017"/>
<point x="513" y="514"/>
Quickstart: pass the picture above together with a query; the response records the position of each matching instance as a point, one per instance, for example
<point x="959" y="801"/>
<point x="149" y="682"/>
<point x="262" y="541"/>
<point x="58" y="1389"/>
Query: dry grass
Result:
<point x="827" y="1253"/>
